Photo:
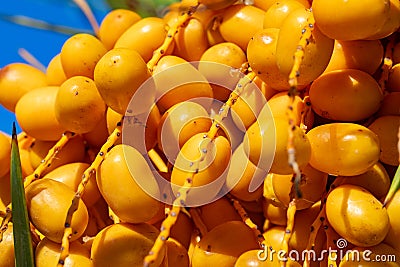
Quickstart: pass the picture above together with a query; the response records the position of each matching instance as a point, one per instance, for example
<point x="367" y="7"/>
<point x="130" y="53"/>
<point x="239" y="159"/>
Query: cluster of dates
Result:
<point x="321" y="78"/>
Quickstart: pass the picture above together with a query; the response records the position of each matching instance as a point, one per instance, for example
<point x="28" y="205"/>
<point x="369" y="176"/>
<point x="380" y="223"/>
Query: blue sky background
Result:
<point x="41" y="43"/>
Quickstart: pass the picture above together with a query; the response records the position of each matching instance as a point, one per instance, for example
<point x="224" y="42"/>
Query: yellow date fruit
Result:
<point x="350" y="20"/>
<point x="121" y="182"/>
<point x="211" y="213"/>
<point x="54" y="72"/>
<point x="47" y="254"/>
<point x="7" y="256"/>
<point x="345" y="95"/>
<point x="78" y="105"/>
<point x="44" y="197"/>
<point x="144" y="36"/>
<point x="80" y="54"/>
<point x="71" y="175"/>
<point x="365" y="55"/>
<point x="393" y="207"/>
<point x="5" y="154"/>
<point x="204" y="161"/>
<point x="343" y="148"/>
<point x="114" y="24"/>
<point x="244" y="178"/>
<point x="16" y="79"/>
<point x="191" y="40"/>
<point x="387" y="128"/>
<point x="118" y="75"/>
<point x="356" y="215"/>
<point x="36" y="116"/>
<point x="124" y="245"/>
<point x="241" y="16"/>
<point x="217" y="248"/>
<point x="264" y="43"/>
<point x="376" y="180"/>
<point x="317" y="52"/>
<point x="276" y="14"/>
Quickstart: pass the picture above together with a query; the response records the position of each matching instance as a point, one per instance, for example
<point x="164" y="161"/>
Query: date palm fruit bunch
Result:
<point x="215" y="135"/>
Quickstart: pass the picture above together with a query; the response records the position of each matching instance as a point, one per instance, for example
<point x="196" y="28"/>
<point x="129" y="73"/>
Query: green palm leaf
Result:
<point x="22" y="237"/>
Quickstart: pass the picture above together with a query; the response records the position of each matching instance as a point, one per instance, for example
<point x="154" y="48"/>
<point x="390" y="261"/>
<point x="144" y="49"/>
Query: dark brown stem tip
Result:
<point x="14" y="131"/>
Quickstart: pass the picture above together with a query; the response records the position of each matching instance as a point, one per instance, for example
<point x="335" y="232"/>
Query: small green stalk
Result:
<point x="393" y="187"/>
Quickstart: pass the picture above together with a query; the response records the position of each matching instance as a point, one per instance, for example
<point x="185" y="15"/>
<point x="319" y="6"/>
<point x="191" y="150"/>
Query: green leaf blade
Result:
<point x="21" y="230"/>
<point x="394" y="187"/>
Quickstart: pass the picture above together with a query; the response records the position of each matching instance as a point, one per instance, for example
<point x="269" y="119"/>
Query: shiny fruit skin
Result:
<point x="250" y="258"/>
<point x="350" y="20"/>
<point x="312" y="186"/>
<point x="280" y="163"/>
<point x="279" y="103"/>
<point x="5" y="153"/>
<point x="365" y="55"/>
<point x="191" y="40"/>
<point x="241" y="16"/>
<point x="247" y="107"/>
<point x="114" y="24"/>
<point x="228" y="54"/>
<point x="316" y="54"/>
<point x="223" y="245"/>
<point x="392" y="22"/>
<point x="242" y="175"/>
<point x="35" y="114"/>
<point x="211" y="213"/>
<point x="176" y="255"/>
<point x="16" y="79"/>
<point x="175" y="126"/>
<point x="386" y="128"/>
<point x="80" y="54"/>
<point x="392" y="238"/>
<point x="54" y="72"/>
<point x="356" y="215"/>
<point x="257" y="143"/>
<point x="117" y="182"/>
<point x="131" y="242"/>
<point x="264" y="43"/>
<point x="376" y="180"/>
<point x="71" y="175"/>
<point x="98" y="136"/>
<point x="79" y="106"/>
<point x="188" y="82"/>
<point x="7" y="256"/>
<point x="274" y="214"/>
<point x="345" y="95"/>
<point x="343" y="148"/>
<point x="118" y="75"/>
<point x="144" y="36"/>
<point x="47" y="253"/>
<point x="46" y="197"/>
<point x="211" y="170"/>
<point x="301" y="230"/>
<point x="73" y="151"/>
<point x="113" y="119"/>
<point x="274" y="237"/>
<point x="276" y="14"/>
<point x="225" y="53"/>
